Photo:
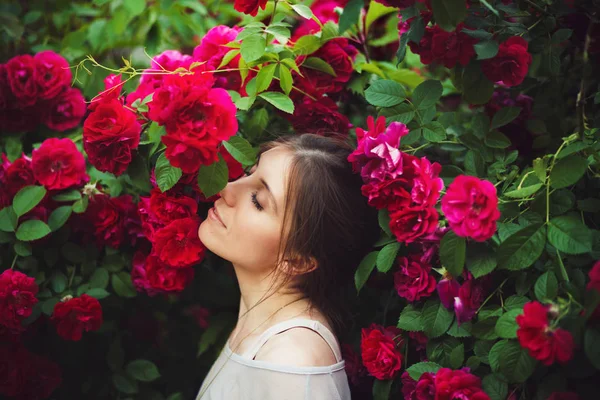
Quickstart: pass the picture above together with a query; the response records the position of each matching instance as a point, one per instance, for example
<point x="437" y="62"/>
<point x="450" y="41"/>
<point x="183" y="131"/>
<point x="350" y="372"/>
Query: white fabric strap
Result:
<point x="293" y="323"/>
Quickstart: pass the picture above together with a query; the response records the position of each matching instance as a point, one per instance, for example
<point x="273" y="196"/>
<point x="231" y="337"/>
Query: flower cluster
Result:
<point x="36" y="89"/>
<point x="445" y="384"/>
<point x="407" y="186"/>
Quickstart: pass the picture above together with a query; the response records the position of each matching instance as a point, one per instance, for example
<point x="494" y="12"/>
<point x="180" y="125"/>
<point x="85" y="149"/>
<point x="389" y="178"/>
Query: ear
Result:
<point x="300" y="266"/>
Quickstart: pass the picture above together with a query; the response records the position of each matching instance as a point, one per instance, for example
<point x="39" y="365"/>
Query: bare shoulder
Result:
<point x="299" y="347"/>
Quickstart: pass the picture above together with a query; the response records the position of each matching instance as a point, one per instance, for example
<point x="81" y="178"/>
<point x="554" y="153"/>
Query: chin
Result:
<point x="211" y="239"/>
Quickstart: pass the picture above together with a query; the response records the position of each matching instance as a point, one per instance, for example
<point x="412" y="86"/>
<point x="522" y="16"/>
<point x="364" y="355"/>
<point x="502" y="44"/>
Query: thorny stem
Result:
<point x="540" y="9"/>
<point x="12" y="266"/>
<point x="580" y="104"/>
<point x="491" y="295"/>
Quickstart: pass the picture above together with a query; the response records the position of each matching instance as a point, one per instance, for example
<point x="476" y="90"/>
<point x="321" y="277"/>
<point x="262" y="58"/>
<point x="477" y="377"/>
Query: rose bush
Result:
<point x="476" y="133"/>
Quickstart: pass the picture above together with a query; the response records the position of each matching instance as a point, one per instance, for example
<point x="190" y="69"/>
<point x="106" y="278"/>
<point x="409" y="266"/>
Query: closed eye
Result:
<point x="255" y="201"/>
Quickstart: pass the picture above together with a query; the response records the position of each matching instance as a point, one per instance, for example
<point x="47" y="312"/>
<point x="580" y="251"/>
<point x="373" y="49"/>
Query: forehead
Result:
<point x="274" y="169"/>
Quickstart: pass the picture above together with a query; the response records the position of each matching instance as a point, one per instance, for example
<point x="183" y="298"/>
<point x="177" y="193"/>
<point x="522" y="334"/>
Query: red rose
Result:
<point x="166" y="279"/>
<point x="511" y="64"/>
<point x="41" y="377"/>
<point x="115" y="220"/>
<point x="449" y="48"/>
<point x="412" y="223"/>
<point x="199" y="314"/>
<point x="249" y="6"/>
<point x="380" y="353"/>
<point x="75" y="315"/>
<point x="413" y="280"/>
<point x="321" y="117"/>
<point x="17" y="298"/>
<point x="169" y="207"/>
<point x="177" y="244"/>
<point x="19" y="120"/>
<point x="110" y="133"/>
<point x="471" y="207"/>
<point x="65" y="111"/>
<point x="150" y="222"/>
<point x="16" y="176"/>
<point x="139" y="277"/>
<point x="470" y="296"/>
<point x="543" y="342"/>
<point x="458" y="384"/>
<point x="52" y="74"/>
<point x="21" y="73"/>
<point x="340" y="55"/>
<point x="390" y="194"/>
<point x="594" y="275"/>
<point x="57" y="164"/>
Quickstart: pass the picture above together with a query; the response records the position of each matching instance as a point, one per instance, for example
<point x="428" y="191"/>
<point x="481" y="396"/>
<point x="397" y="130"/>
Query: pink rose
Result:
<point x="413" y="281"/>
<point x="65" y="111"/>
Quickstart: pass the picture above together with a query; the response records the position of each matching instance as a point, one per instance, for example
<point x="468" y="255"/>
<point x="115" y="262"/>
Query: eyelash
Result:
<point x="255" y="201"/>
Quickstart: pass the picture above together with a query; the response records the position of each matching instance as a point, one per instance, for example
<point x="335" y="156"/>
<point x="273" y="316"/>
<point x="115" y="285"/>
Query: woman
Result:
<point x="294" y="229"/>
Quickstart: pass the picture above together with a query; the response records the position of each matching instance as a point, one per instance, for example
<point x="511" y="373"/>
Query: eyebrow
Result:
<point x="266" y="185"/>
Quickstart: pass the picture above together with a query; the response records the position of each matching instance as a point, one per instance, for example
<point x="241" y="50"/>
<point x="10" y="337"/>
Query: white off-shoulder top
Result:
<point x="242" y="377"/>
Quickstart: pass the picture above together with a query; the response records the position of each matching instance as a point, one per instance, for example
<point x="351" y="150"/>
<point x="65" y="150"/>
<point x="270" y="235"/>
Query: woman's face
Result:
<point x="244" y="226"/>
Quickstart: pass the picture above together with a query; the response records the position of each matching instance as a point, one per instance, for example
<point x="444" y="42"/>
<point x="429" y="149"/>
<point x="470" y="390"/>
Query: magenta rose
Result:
<point x="21" y="73"/>
<point x="65" y="111"/>
<point x="471" y="207"/>
<point x="413" y="281"/>
<point x="511" y="64"/>
<point x="380" y="351"/>
<point x="249" y="6"/>
<point x="58" y="164"/>
<point x="412" y="223"/>
<point x="52" y="74"/>
<point x="110" y="134"/>
<point x="17" y="298"/>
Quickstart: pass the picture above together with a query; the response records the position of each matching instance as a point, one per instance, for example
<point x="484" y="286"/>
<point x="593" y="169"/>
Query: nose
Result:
<point x="229" y="194"/>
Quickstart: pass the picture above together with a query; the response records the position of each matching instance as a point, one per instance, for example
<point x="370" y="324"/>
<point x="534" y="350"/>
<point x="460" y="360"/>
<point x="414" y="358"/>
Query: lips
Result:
<point x="214" y="213"/>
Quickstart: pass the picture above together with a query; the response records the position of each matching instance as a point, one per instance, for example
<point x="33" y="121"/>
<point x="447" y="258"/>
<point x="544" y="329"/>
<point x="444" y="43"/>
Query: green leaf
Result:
<point x="27" y="198"/>
<point x="434" y="132"/>
<point x="436" y="318"/>
<point x="253" y="47"/>
<point x="166" y="175"/>
<point x="387" y="256"/>
<point x="457" y="356"/>
<point x="319" y="64"/>
<point x="497" y="140"/>
<point x="59" y="217"/>
<point x="464" y="330"/>
<point x="307" y="44"/>
<point x="135" y="7"/>
<point x="81" y="205"/>
<point x="494" y="354"/>
<point x="58" y="282"/>
<point x="480" y="125"/>
<point x="416" y="370"/>
<point x="567" y="171"/>
<point x="125" y="384"/>
<point x="286" y="82"/>
<point x="486" y="49"/>
<point x="213" y="178"/>
<point x="403" y="112"/>
<point x="350" y="15"/>
<point x="515" y="363"/>
<point x="48" y="305"/>
<point x="383" y="217"/>
<point x="381" y="389"/>
<point x="485" y="328"/>
<point x="22" y="249"/>
<point x="281" y="33"/>
<point x="376" y="11"/>
<point x="364" y="269"/>
<point x="279" y="100"/>
<point x="546" y="287"/>
<point x="410" y="319"/>
<point x="8" y="219"/>
<point x="427" y="94"/>
<point x="505" y="116"/>
<point x="521" y="249"/>
<point x="32" y="229"/>
<point x="506" y="327"/>
<point x="241" y="150"/>
<point x="569" y="235"/>
<point x="71" y="195"/>
<point x="495" y="386"/>
<point x="265" y="77"/>
<point x="561" y="35"/>
<point x="303" y="11"/>
<point x="524" y="192"/>
<point x="139" y="174"/>
<point x="449" y="13"/>
<point x="385" y="93"/>
<point x="97" y="293"/>
<point x="477" y="88"/>
<point x="121" y="283"/>
<point x="452" y="253"/>
<point x="142" y="370"/>
<point x="515" y="302"/>
<point x="591" y="346"/>
<point x="99" y="278"/>
<point x="481" y="263"/>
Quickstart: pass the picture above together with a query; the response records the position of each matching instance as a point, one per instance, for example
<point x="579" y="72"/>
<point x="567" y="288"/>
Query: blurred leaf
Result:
<point x="213" y="178"/>
<point x="279" y="100"/>
<point x="449" y="13"/>
<point x="486" y="49"/>
<point x="143" y="370"/>
<point x="32" y="229"/>
<point x="505" y="116"/>
<point x="364" y="269"/>
<point x="427" y="94"/>
<point x="416" y="370"/>
<point x="240" y="150"/>
<point x="350" y="15"/>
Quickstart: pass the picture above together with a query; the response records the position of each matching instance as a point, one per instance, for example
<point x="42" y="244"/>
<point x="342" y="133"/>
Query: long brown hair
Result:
<point x="326" y="221"/>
